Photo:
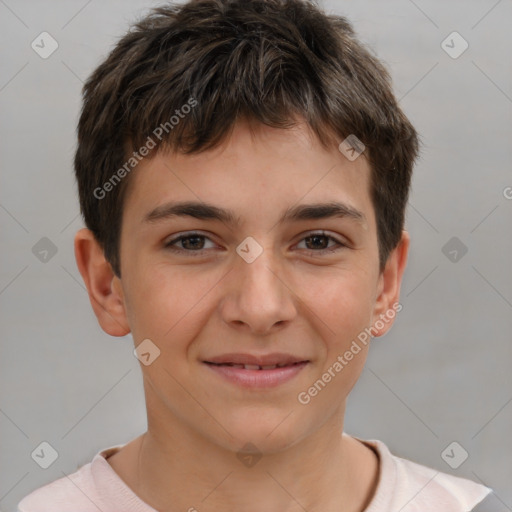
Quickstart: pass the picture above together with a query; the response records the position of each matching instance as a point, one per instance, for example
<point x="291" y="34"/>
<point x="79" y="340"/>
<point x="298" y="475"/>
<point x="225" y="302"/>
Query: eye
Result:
<point x="190" y="242"/>
<point x="194" y="243"/>
<point x="320" y="241"/>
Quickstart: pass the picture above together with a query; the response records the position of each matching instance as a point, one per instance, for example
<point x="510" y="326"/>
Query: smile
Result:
<point x="256" y="376"/>
<point x="255" y="366"/>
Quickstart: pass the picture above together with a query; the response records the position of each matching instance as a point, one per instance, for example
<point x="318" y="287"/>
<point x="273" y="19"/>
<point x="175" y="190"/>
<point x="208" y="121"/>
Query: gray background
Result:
<point x="441" y="375"/>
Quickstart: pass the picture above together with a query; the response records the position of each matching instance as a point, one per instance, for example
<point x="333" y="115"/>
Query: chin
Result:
<point x="267" y="435"/>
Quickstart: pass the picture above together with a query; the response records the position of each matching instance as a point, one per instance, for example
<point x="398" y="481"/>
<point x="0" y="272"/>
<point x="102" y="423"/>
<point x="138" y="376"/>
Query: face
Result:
<point x="263" y="278"/>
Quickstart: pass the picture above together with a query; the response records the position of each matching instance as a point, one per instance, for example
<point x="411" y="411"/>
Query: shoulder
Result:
<point x="78" y="489"/>
<point x="411" y="487"/>
<point x="59" y="494"/>
<point x="433" y="486"/>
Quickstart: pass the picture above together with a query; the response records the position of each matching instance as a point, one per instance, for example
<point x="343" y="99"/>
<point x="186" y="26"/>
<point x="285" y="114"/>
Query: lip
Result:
<point x="258" y="378"/>
<point x="276" y="358"/>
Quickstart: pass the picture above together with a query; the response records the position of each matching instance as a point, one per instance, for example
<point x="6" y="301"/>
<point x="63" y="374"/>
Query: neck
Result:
<point x="177" y="469"/>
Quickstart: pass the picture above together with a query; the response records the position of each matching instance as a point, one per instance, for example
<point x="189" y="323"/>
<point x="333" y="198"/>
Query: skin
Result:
<point x="290" y="299"/>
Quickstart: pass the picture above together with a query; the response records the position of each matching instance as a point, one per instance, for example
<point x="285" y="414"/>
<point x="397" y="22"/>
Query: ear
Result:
<point x="388" y="290"/>
<point x="104" y="288"/>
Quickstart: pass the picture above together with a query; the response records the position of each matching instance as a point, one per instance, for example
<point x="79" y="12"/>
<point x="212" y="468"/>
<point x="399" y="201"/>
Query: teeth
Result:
<point x="255" y="366"/>
<point x="252" y="367"/>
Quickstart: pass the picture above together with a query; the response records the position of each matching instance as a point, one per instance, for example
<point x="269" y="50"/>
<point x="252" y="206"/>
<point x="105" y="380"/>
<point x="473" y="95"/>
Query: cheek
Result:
<point x="342" y="302"/>
<point x="166" y="302"/>
<point x="345" y="312"/>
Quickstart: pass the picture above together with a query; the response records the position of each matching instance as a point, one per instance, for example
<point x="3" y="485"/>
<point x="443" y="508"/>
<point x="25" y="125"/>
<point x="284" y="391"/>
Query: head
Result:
<point x="241" y="106"/>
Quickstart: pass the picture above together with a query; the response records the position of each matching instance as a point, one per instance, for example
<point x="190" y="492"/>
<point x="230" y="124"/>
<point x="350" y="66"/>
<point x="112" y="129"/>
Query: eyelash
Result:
<point x="169" y="245"/>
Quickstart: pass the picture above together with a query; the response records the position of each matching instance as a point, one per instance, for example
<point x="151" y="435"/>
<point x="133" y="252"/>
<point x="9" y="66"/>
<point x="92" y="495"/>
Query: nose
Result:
<point x="258" y="300"/>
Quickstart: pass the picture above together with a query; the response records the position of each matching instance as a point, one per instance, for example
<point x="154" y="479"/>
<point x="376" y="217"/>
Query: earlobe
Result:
<point x="387" y="302"/>
<point x="106" y="299"/>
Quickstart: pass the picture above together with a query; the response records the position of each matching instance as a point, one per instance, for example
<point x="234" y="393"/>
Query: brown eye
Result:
<point x="318" y="243"/>
<point x="188" y="243"/>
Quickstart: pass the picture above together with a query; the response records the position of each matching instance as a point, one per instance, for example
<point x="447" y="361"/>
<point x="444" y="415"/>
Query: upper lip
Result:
<point x="260" y="360"/>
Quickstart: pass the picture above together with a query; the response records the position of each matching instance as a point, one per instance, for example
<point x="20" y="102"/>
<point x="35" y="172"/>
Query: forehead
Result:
<point x="255" y="172"/>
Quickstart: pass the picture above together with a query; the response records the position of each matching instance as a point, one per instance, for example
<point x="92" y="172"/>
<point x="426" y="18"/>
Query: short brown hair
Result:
<point x="268" y="61"/>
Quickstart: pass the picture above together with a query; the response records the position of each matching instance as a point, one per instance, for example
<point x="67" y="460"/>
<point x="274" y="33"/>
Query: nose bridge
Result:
<point x="258" y="272"/>
<point x="260" y="276"/>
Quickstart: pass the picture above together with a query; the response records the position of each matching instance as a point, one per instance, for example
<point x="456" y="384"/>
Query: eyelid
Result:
<point x="185" y="234"/>
<point x="168" y="242"/>
<point x="341" y="241"/>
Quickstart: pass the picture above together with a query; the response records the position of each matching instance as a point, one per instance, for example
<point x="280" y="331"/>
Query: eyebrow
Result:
<point x="205" y="211"/>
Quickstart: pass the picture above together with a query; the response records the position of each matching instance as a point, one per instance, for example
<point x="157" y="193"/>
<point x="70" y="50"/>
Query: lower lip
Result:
<point x="258" y="378"/>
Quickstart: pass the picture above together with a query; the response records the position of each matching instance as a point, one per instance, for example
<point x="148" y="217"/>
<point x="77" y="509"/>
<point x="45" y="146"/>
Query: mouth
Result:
<point x="256" y="366"/>
<point x="257" y="376"/>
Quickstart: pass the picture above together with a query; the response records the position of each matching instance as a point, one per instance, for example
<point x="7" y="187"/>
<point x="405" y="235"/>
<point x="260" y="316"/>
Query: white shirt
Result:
<point x="403" y="486"/>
